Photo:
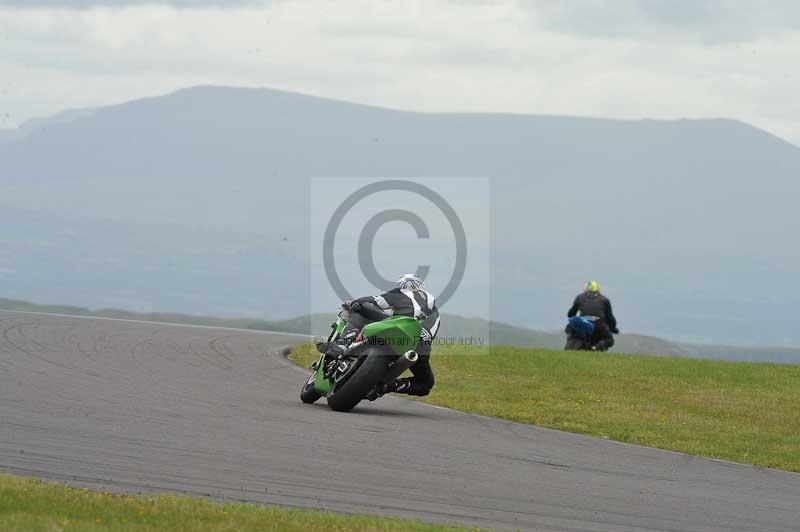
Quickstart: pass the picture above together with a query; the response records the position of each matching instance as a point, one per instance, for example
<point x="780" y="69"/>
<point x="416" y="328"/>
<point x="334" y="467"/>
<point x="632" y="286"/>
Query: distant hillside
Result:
<point x="10" y="134"/>
<point x="299" y="325"/>
<point x="453" y="327"/>
<point x="199" y="201"/>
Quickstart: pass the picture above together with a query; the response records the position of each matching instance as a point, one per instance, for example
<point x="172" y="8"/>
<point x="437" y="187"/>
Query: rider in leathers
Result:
<point x="591" y="303"/>
<point x="409" y="298"/>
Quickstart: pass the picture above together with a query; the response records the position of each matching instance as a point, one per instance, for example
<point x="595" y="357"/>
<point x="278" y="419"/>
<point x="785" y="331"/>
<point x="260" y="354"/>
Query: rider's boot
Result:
<point x="604" y="344"/>
<point x="396" y="386"/>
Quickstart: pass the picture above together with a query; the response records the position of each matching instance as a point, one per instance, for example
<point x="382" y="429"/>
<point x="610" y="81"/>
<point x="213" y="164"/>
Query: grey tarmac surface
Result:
<point x="136" y="406"/>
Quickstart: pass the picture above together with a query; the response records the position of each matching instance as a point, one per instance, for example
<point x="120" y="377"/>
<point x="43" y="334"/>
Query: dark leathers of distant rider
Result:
<point x="594" y="304"/>
<point x="597" y="305"/>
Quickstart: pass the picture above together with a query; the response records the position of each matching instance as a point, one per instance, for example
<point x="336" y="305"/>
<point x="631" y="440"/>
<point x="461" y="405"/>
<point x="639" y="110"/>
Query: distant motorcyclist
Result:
<point x="594" y="305"/>
<point x="409" y="298"/>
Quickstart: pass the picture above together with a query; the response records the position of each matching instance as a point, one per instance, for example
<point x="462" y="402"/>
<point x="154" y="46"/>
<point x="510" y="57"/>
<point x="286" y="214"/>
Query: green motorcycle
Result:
<point x="364" y="349"/>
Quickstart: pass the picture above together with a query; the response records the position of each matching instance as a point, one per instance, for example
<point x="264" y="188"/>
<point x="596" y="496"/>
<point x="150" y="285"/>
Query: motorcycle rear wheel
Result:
<point x="575" y="344"/>
<point x="346" y="396"/>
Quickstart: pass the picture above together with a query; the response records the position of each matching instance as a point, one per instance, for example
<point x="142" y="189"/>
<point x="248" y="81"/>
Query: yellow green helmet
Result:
<point x="592" y="286"/>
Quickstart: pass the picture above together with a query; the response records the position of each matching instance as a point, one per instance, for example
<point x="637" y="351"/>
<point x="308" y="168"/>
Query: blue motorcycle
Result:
<point x="581" y="334"/>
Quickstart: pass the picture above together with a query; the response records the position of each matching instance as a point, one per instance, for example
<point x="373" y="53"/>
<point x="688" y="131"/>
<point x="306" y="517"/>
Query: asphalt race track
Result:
<point x="137" y="406"/>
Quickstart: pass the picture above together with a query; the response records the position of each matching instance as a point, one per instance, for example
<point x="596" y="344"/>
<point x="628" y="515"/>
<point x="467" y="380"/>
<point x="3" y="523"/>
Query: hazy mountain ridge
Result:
<point x="685" y="222"/>
<point x="453" y="327"/>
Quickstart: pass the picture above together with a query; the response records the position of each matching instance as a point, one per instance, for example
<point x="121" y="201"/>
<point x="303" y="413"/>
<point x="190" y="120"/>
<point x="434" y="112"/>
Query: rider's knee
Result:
<point x="421" y="388"/>
<point x="428" y="383"/>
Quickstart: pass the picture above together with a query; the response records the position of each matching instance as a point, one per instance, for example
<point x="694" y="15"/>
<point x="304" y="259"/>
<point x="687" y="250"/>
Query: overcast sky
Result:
<point x="620" y="58"/>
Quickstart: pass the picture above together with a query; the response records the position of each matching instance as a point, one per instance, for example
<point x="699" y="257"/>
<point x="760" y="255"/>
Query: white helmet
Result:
<point x="410" y="281"/>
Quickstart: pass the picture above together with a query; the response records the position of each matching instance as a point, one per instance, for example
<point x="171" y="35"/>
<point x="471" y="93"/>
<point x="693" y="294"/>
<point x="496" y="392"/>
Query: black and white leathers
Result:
<point x="419" y="304"/>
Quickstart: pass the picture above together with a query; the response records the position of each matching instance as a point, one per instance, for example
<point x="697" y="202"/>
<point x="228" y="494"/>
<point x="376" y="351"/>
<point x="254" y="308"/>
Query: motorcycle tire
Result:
<point x="308" y="394"/>
<point x="345" y="396"/>
<point x="575" y="344"/>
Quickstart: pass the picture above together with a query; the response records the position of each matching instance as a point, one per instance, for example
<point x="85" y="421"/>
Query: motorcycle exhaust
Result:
<point x="408" y="359"/>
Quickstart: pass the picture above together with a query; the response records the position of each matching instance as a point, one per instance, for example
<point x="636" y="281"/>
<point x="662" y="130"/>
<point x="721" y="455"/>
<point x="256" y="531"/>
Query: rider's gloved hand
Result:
<point x="615" y="330"/>
<point x="425" y="335"/>
<point x="351" y="305"/>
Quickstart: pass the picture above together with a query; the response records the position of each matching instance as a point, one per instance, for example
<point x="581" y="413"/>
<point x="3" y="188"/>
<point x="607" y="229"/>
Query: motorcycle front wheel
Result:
<point x="308" y="394"/>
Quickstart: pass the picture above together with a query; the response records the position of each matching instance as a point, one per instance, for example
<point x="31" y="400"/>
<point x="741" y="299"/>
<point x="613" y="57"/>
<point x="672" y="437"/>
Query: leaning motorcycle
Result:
<point x="360" y="354"/>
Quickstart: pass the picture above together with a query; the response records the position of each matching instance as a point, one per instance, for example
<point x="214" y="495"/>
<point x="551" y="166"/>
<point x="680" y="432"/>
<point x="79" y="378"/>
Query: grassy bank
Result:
<point x="31" y="506"/>
<point x="744" y="412"/>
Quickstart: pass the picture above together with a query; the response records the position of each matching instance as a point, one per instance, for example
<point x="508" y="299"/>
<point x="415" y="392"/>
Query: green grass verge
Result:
<point x="31" y="506"/>
<point x="738" y="411"/>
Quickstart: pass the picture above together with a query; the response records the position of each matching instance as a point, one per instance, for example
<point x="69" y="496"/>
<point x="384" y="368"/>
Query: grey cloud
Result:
<point x="709" y="21"/>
